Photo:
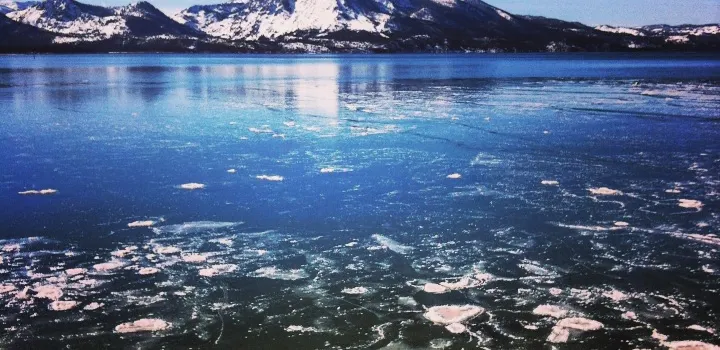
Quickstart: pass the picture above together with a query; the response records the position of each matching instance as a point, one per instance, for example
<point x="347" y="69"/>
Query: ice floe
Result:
<point x="220" y="269"/>
<point x="456" y="328"/>
<point x="166" y="250"/>
<point x="462" y="283"/>
<point x="143" y="325"/>
<point x="550" y="310"/>
<point x="629" y="315"/>
<point x="616" y="295"/>
<point x="6" y="288"/>
<point x="555" y="291"/>
<point x="108" y="266"/>
<point x="44" y="192"/>
<point x="75" y="271"/>
<point x="690" y="204"/>
<point x="48" y="292"/>
<point x="434" y="288"/>
<point x="604" y="191"/>
<point x="690" y="345"/>
<point x="59" y="305"/>
<point x="301" y="329"/>
<point x="273" y="178"/>
<point x="454" y="176"/>
<point x="392" y="244"/>
<point x="329" y="170"/>
<point x="192" y="186"/>
<point x="273" y="272"/>
<point x="146" y="223"/>
<point x="93" y="306"/>
<point x="148" y="271"/>
<point x="355" y="291"/>
<point x="449" y="314"/>
<point x="561" y="332"/>
<point x="194" y="258"/>
<point x="121" y="253"/>
<point x="700" y="328"/>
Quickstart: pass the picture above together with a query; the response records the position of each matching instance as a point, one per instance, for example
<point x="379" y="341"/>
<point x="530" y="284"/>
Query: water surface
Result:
<point x="396" y="172"/>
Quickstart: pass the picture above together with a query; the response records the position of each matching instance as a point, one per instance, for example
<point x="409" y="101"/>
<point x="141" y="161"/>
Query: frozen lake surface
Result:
<point x="334" y="202"/>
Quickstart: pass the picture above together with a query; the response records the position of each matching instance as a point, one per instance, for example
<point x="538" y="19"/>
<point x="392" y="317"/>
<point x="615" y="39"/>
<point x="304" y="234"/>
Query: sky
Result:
<point x="591" y="12"/>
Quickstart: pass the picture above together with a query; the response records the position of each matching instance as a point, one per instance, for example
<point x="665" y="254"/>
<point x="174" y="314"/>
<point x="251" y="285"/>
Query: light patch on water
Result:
<point x="192" y="186"/>
<point x="391" y="244"/>
<point x="273" y="272"/>
<point x="355" y="291"/>
<point x="44" y="192"/>
<point x="707" y="239"/>
<point x="219" y="269"/>
<point x="301" y="329"/>
<point x="194" y="227"/>
<point x="272" y="178"/>
<point x="146" y="223"/>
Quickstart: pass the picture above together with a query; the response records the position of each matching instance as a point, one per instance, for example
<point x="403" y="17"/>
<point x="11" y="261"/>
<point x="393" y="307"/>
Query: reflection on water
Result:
<point x="331" y="201"/>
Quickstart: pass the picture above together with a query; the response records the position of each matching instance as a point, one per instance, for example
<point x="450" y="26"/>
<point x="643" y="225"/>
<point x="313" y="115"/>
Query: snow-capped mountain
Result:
<point x="94" y="23"/>
<point x="272" y="19"/>
<point x="7" y="6"/>
<point x="329" y="26"/>
<point x="676" y="34"/>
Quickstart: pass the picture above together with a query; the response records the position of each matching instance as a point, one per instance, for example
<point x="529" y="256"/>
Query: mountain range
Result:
<point x="322" y="26"/>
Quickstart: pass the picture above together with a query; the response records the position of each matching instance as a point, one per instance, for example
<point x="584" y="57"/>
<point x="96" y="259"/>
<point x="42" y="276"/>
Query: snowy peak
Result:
<point x="94" y="23"/>
<point x="254" y="19"/>
<point x="69" y="10"/>
<point x="7" y="6"/>
<point x="673" y="34"/>
<point x="335" y="26"/>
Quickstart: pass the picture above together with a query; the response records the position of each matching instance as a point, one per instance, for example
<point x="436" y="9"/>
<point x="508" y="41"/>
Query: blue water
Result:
<point x="363" y="146"/>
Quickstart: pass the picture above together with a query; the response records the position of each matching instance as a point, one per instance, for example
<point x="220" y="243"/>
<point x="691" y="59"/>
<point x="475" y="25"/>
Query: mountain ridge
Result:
<point x="336" y="26"/>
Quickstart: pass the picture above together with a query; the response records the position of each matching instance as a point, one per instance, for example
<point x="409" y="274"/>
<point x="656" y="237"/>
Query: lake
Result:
<point x="335" y="202"/>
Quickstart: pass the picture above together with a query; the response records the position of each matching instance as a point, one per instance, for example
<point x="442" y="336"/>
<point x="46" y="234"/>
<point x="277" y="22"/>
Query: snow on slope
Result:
<point x="93" y="23"/>
<point x="677" y="34"/>
<point x="620" y="30"/>
<point x="7" y="6"/>
<point x="253" y="19"/>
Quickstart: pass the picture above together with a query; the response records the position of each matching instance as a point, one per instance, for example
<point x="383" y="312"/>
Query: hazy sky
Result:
<point x="592" y="12"/>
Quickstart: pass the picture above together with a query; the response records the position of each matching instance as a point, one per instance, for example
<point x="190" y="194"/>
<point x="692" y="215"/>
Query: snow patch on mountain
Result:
<point x="7" y="6"/>
<point x="620" y="30"/>
<point x="251" y="20"/>
<point x="677" y="34"/>
<point x="94" y="23"/>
